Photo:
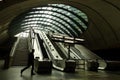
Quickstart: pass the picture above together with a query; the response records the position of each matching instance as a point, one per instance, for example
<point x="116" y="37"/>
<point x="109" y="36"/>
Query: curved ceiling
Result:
<point x="104" y="17"/>
<point x="68" y="20"/>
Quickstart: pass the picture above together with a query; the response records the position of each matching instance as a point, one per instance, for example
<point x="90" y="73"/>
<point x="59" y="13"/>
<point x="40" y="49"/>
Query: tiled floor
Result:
<point x="13" y="73"/>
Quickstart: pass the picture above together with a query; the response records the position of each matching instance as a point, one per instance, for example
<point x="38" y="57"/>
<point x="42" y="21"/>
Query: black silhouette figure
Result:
<point x="30" y="62"/>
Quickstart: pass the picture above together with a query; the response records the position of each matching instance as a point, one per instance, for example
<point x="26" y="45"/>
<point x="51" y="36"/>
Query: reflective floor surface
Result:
<point x="13" y="73"/>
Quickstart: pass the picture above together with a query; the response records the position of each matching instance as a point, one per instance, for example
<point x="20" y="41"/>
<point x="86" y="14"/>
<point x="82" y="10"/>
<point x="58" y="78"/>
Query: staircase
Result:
<point x="21" y="53"/>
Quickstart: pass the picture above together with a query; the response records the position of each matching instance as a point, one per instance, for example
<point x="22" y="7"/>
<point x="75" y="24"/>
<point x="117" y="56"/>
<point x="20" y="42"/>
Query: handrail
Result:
<point x="38" y="50"/>
<point x="14" y="47"/>
<point x="50" y="47"/>
<point x="8" y="62"/>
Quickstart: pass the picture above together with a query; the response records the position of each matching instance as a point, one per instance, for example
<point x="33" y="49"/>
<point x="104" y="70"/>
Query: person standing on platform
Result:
<point x="30" y="62"/>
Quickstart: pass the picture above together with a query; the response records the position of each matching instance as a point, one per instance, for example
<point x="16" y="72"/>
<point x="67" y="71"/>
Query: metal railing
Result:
<point x="10" y="58"/>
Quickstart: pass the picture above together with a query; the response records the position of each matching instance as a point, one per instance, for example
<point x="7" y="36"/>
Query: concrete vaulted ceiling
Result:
<point x="68" y="20"/>
<point x="104" y="19"/>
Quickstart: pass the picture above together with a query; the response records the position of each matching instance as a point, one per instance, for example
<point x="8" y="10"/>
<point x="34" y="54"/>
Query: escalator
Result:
<point x="90" y="57"/>
<point x="61" y="53"/>
<point x="83" y="56"/>
<point x="42" y="62"/>
<point x="66" y="65"/>
<point x="45" y="56"/>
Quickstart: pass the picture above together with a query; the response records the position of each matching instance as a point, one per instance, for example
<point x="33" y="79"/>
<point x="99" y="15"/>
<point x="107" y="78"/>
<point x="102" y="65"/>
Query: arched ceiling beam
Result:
<point x="55" y="20"/>
<point x="65" y="31"/>
<point x="45" y="26"/>
<point x="112" y="3"/>
<point x="21" y="29"/>
<point x="82" y="29"/>
<point x="53" y="28"/>
<point x="64" y="26"/>
<point x="70" y="24"/>
<point x="72" y="12"/>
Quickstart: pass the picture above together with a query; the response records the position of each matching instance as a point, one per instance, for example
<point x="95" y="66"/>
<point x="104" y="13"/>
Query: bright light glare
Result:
<point x="22" y="34"/>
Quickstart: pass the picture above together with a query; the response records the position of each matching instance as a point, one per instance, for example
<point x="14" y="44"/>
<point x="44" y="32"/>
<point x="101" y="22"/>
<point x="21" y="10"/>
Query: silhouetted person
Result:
<point x="30" y="62"/>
